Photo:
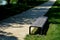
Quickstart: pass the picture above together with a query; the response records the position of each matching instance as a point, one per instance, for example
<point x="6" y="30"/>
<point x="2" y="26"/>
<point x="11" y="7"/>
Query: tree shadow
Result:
<point x="13" y="9"/>
<point x="5" y="33"/>
<point x="4" y="37"/>
<point x="7" y="36"/>
<point x="54" y="13"/>
<point x="24" y="18"/>
<point x="54" y="16"/>
<point x="17" y="9"/>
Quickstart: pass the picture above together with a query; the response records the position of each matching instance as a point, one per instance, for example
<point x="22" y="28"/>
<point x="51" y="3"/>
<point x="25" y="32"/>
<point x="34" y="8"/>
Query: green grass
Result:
<point x="13" y="1"/>
<point x="54" y="26"/>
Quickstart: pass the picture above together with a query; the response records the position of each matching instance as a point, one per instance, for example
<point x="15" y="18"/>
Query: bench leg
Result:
<point x="41" y="31"/>
<point x="29" y="30"/>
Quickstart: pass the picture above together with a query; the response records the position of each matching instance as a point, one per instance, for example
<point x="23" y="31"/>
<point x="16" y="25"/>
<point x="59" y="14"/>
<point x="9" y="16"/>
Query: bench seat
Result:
<point x="40" y="22"/>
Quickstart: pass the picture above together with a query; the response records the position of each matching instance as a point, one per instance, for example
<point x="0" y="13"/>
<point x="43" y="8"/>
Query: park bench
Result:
<point x="40" y="23"/>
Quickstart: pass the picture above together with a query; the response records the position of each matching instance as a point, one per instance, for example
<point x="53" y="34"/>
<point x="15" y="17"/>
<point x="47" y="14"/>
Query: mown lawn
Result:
<point x="54" y="26"/>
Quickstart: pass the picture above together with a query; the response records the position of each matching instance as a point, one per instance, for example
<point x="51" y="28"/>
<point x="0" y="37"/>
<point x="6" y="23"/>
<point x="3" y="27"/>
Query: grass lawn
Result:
<point x="54" y="26"/>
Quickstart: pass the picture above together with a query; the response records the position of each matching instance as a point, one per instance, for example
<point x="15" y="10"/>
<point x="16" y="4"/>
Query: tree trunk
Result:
<point x="8" y="1"/>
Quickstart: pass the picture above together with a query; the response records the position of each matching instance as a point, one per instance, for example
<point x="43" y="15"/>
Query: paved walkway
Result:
<point x="18" y="25"/>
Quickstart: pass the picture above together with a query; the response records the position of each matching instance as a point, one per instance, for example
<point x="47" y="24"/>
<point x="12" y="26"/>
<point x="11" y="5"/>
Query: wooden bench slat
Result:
<point x="40" y="22"/>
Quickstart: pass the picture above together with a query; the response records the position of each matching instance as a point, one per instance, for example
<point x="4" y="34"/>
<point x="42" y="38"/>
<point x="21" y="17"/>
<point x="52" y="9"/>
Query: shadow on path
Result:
<point x="4" y="37"/>
<point x="7" y="36"/>
<point x="27" y="17"/>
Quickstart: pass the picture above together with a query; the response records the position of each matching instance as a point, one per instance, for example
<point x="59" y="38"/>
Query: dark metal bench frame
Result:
<point x="39" y="20"/>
